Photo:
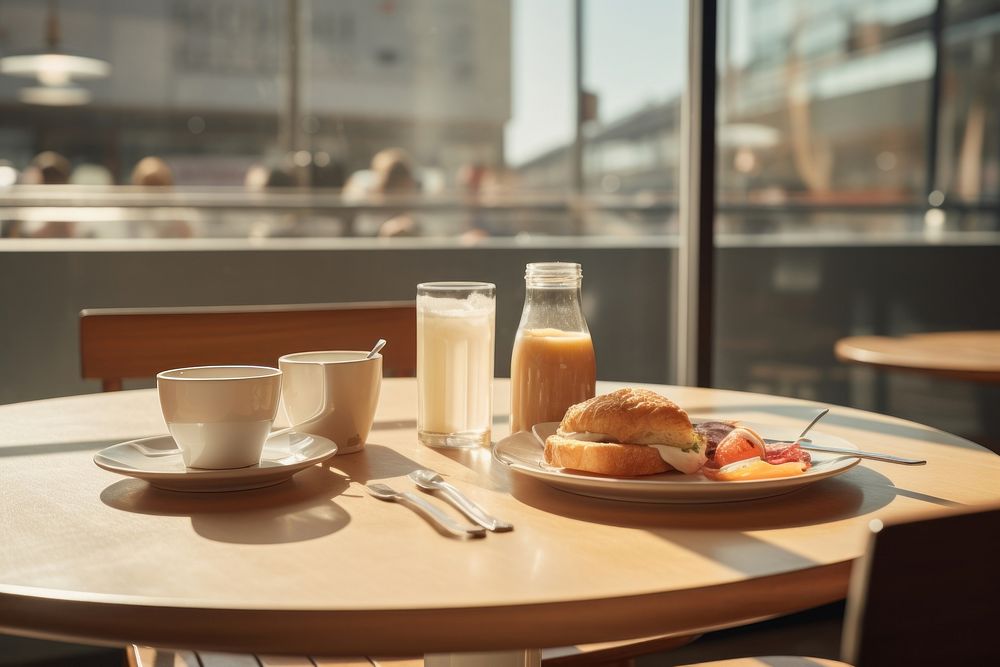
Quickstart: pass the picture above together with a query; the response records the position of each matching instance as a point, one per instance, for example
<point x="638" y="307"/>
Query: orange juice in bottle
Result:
<point x="553" y="364"/>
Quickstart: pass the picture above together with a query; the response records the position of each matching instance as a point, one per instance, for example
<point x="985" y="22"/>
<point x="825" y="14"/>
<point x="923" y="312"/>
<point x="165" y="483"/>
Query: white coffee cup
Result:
<point x="333" y="394"/>
<point x="220" y="416"/>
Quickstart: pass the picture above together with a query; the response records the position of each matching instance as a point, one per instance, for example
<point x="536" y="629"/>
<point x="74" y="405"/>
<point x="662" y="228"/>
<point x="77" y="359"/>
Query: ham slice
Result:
<point x="786" y="452"/>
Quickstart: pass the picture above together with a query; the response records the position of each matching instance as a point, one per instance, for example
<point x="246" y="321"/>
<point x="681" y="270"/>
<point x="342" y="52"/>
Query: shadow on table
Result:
<point x="374" y="462"/>
<point x="293" y="511"/>
<point x="54" y="447"/>
<point x="719" y="531"/>
<point x="857" y="492"/>
<point x="490" y="475"/>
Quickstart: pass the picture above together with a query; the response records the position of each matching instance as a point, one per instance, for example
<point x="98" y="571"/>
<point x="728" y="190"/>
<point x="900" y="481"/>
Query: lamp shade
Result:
<point x="54" y="69"/>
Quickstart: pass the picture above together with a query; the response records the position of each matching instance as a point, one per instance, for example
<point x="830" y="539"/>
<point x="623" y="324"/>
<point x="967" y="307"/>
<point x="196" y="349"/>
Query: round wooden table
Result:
<point x="317" y="566"/>
<point x="962" y="355"/>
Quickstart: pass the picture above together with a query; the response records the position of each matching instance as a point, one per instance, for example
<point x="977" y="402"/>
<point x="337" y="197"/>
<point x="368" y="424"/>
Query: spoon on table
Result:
<point x="441" y="520"/>
<point x="428" y="480"/>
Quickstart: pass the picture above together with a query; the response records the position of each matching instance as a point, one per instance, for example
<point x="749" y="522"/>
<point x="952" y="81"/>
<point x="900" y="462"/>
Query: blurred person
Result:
<point x="276" y="176"/>
<point x="8" y="177"/>
<point x="262" y="177"/>
<point x="91" y="174"/>
<point x="502" y="184"/>
<point x="9" y="174"/>
<point x="394" y="177"/>
<point x="46" y="168"/>
<point x="469" y="181"/>
<point x="153" y="172"/>
<point x="327" y="174"/>
<point x="394" y="173"/>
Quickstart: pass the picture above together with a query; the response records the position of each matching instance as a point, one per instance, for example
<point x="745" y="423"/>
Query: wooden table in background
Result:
<point x="961" y="355"/>
<point x="318" y="567"/>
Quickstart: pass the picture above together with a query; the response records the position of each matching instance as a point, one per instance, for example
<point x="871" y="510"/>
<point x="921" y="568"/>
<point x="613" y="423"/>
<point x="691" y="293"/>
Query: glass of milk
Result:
<point x="455" y="332"/>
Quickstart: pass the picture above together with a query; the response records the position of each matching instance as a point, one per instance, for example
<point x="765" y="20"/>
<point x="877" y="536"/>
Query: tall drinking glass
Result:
<point x="455" y="331"/>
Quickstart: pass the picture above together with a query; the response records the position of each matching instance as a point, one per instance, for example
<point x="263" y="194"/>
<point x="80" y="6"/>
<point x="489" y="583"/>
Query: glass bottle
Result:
<point x="553" y="364"/>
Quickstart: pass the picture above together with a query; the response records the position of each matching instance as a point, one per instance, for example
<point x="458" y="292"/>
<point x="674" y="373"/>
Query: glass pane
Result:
<point x="632" y="96"/>
<point x="794" y="77"/>
<point x="343" y="151"/>
<point x="829" y="223"/>
<point x="969" y="138"/>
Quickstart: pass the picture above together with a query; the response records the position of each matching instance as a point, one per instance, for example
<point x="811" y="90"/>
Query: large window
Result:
<point x="857" y="194"/>
<point x="357" y="148"/>
<point x="366" y="111"/>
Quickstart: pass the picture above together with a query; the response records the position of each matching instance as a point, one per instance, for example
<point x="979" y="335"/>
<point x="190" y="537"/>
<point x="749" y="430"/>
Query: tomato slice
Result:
<point x="738" y="445"/>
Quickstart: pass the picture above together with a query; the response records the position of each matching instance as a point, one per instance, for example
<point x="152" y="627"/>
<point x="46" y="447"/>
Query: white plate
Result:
<point x="158" y="461"/>
<point x="522" y="453"/>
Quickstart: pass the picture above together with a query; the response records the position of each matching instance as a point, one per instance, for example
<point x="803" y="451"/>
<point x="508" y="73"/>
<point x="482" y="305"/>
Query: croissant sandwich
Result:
<point x="627" y="432"/>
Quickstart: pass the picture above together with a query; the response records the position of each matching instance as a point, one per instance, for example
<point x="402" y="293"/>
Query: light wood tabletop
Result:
<point x="317" y="566"/>
<point x="963" y="355"/>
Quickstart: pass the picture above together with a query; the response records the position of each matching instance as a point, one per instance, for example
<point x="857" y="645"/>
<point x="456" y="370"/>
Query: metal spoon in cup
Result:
<point x="375" y="350"/>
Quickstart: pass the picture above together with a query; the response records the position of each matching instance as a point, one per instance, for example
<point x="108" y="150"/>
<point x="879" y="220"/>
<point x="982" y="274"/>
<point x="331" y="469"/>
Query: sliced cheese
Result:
<point x="687" y="461"/>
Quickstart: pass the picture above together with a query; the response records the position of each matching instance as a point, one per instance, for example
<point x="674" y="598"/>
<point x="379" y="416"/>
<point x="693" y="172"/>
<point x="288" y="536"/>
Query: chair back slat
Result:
<point x="141" y="342"/>
<point x="927" y="592"/>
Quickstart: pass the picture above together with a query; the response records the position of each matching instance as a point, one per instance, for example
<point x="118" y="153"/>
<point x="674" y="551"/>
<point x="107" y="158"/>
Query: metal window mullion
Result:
<point x="934" y="110"/>
<point x="695" y="256"/>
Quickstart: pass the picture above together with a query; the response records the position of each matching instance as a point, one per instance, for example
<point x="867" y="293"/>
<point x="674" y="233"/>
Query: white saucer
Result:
<point x="158" y="461"/>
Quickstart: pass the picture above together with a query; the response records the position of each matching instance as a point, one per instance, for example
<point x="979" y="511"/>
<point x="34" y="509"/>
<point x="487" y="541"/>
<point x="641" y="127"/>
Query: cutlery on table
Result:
<point x="428" y="480"/>
<point x="806" y="443"/>
<point x="822" y="413"/>
<point x="442" y="520"/>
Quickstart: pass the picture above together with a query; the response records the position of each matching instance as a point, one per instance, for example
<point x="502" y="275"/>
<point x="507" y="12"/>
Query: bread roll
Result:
<point x="638" y="432"/>
<point x="603" y="457"/>
<point x="637" y="416"/>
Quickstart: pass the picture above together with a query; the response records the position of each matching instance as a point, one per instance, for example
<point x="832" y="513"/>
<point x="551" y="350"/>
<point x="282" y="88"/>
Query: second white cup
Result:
<point x="333" y="394"/>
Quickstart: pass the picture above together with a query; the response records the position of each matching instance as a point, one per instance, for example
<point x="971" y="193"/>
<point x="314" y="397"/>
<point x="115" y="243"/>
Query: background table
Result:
<point x="962" y="355"/>
<point x="316" y="566"/>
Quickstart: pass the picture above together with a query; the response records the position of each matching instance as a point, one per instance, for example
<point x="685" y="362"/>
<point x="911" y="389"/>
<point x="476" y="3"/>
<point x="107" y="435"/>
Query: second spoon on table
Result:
<point x="428" y="480"/>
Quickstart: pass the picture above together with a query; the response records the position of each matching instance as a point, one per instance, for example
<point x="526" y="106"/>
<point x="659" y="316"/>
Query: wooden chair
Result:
<point x="118" y="343"/>
<point x="608" y="654"/>
<point x="926" y="592"/>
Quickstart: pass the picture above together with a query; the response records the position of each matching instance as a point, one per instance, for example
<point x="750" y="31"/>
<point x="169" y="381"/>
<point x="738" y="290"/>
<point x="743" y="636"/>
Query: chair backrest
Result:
<point x="117" y="343"/>
<point x="927" y="592"/>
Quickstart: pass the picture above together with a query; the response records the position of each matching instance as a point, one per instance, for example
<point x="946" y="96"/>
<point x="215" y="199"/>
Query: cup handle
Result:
<point x="280" y="431"/>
